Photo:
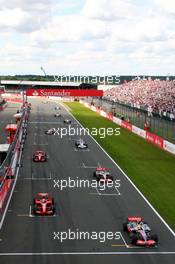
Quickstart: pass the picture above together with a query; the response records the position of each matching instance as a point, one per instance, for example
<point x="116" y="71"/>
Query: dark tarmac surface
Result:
<point x="25" y="238"/>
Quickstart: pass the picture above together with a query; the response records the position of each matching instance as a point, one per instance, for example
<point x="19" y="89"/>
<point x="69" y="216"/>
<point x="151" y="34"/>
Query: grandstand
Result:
<point x="2" y="101"/>
<point x="155" y="96"/>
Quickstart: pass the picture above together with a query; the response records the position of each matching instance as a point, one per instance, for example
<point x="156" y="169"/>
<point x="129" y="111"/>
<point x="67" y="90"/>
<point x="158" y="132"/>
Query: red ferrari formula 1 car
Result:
<point x="140" y="232"/>
<point x="103" y="175"/>
<point x="39" y="156"/>
<point x="43" y="204"/>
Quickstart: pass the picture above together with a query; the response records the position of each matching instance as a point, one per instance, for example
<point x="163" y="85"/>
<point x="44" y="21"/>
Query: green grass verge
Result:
<point x="151" y="169"/>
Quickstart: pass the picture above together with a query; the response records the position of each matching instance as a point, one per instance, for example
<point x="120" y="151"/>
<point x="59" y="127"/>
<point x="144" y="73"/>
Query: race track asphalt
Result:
<point x="25" y="238"/>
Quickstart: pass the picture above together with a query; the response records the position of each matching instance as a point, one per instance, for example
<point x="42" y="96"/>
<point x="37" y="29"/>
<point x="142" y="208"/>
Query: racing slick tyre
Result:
<point x="34" y="209"/>
<point x="53" y="209"/>
<point x="155" y="238"/>
<point x="125" y="227"/>
<point x="134" y="239"/>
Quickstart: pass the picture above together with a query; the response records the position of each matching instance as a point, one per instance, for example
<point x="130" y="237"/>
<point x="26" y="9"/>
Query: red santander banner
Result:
<point x="126" y="125"/>
<point x="110" y="117"/>
<point x="63" y="92"/>
<point x="150" y="137"/>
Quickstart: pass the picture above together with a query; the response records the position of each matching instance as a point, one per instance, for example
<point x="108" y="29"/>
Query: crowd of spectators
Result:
<point x="156" y="96"/>
<point x="1" y="100"/>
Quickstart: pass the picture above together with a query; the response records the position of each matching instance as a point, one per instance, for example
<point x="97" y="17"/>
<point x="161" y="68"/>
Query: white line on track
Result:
<point x="23" y="215"/>
<point x="37" y="134"/>
<point x="105" y="194"/>
<point x="39" y="122"/>
<point x="76" y="150"/>
<point x="42" y="144"/>
<point x="88" y="167"/>
<point x="118" y="192"/>
<point x="39" y="179"/>
<point x="127" y="177"/>
<point x="89" y="253"/>
<point x="123" y="240"/>
<point x="99" y="193"/>
<point x="72" y="139"/>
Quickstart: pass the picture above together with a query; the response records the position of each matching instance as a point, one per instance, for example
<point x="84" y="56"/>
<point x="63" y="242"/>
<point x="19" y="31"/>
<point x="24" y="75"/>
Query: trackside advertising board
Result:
<point x="148" y="136"/>
<point x="63" y="92"/>
<point x="156" y="140"/>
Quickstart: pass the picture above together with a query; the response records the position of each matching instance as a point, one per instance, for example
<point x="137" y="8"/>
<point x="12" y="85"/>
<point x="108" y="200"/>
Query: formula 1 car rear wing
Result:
<point x="134" y="219"/>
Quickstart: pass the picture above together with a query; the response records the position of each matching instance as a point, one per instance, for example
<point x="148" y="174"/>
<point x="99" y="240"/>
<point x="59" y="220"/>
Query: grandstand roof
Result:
<point x="33" y="83"/>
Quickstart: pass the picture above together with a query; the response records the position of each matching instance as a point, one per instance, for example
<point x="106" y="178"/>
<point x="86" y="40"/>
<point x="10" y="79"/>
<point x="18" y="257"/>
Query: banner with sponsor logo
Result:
<point x="156" y="140"/>
<point x="140" y="132"/>
<point x="98" y="110"/>
<point x="93" y="108"/>
<point x="170" y="147"/>
<point x="150" y="137"/>
<point x="63" y="92"/>
<point x="86" y="104"/>
<point x="103" y="113"/>
<point x="117" y="120"/>
<point x="126" y="125"/>
<point x="110" y="117"/>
